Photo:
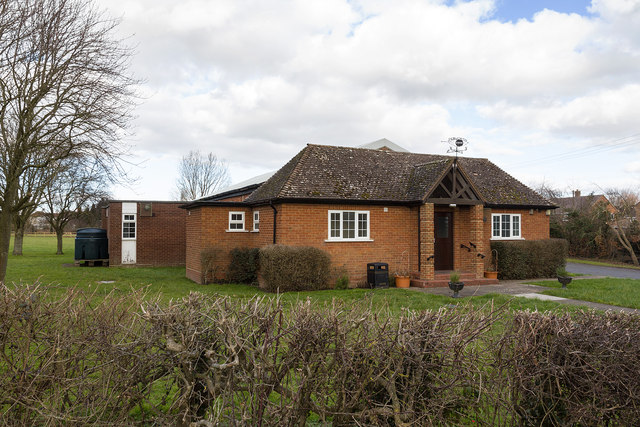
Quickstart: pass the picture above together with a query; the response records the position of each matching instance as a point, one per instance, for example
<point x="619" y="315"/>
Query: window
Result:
<point x="348" y="225"/>
<point x="236" y="221"/>
<point x="256" y="221"/>
<point x="505" y="226"/>
<point x="129" y="226"/>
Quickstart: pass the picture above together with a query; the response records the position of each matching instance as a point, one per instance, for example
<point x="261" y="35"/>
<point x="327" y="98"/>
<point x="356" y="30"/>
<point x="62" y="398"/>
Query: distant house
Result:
<point x="421" y="212"/>
<point x="578" y="202"/>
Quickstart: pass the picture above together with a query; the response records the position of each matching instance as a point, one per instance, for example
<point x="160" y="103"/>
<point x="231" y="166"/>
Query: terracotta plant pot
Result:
<point x="491" y="274"/>
<point x="403" y="281"/>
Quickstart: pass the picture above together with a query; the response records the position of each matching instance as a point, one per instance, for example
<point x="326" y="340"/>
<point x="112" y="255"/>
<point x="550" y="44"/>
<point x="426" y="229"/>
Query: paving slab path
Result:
<point x="517" y="288"/>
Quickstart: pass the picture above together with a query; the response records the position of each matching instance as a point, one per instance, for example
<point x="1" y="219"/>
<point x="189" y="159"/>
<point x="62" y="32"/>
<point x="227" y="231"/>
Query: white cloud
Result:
<point x="605" y="114"/>
<point x="254" y="80"/>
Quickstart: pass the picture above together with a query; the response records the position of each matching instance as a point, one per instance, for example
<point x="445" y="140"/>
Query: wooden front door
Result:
<point x="444" y="241"/>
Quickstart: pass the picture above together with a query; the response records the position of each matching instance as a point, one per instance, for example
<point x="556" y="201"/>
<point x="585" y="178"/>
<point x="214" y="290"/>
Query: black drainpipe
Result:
<point x="419" y="241"/>
<point x="275" y="216"/>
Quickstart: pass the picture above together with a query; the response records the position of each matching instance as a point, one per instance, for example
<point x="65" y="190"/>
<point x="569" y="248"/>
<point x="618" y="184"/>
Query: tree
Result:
<point x="624" y="201"/>
<point x="200" y="176"/>
<point x="32" y="185"/>
<point x="74" y="188"/>
<point x="64" y="93"/>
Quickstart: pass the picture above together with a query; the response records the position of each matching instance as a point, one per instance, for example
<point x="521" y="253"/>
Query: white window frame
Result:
<point x="512" y="236"/>
<point x="236" y="222"/>
<point x="341" y="231"/>
<point x="129" y="221"/>
<point x="256" y="221"/>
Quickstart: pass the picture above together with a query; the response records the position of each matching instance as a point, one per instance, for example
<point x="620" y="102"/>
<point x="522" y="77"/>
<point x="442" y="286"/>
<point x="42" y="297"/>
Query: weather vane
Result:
<point x="456" y="145"/>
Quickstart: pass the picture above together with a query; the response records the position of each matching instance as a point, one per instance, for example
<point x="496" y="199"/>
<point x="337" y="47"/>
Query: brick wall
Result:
<point x="426" y="241"/>
<point x="208" y="227"/>
<point x="393" y="230"/>
<point x="534" y="226"/>
<point x="160" y="238"/>
<point x="394" y="234"/>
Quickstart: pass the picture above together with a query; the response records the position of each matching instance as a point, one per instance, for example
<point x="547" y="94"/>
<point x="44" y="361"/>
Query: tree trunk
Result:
<point x="6" y="219"/>
<point x="59" y="234"/>
<point x="18" y="239"/>
<point x="622" y="238"/>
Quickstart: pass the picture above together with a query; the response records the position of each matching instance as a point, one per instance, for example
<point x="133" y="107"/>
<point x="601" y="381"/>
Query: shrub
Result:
<point x="342" y="282"/>
<point x="243" y="267"/>
<point x="526" y="259"/>
<point x="209" y="264"/>
<point x="294" y="268"/>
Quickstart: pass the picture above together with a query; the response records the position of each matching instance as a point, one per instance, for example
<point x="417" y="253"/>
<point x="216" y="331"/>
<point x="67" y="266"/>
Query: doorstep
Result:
<point x="443" y="283"/>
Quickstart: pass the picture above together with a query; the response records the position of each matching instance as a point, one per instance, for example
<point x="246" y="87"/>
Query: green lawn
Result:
<point x="620" y="292"/>
<point x="56" y="272"/>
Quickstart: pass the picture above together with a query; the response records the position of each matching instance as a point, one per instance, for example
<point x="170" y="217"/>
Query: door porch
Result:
<point x="451" y="238"/>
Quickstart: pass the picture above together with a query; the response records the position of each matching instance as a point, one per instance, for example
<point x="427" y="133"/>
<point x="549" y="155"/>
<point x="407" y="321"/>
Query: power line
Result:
<point x="594" y="149"/>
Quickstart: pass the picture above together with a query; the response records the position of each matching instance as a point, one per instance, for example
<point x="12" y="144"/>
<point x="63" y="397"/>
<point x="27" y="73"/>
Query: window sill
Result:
<point x="507" y="238"/>
<point x="255" y="231"/>
<point x="236" y="231"/>
<point x="347" y="240"/>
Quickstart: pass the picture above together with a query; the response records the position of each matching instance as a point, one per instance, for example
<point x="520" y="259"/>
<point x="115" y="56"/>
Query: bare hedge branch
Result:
<point x="201" y="361"/>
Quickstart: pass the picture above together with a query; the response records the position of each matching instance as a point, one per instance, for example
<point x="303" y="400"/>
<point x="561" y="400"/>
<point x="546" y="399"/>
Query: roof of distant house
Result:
<point x="579" y="202"/>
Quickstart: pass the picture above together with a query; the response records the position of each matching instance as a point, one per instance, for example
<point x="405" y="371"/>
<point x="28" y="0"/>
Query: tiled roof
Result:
<point x="580" y="202"/>
<point x="356" y="174"/>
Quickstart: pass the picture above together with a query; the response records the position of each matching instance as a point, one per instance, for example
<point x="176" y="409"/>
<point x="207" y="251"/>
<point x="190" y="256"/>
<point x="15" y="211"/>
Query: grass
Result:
<point x="57" y="272"/>
<point x="619" y="292"/>
<point x="602" y="263"/>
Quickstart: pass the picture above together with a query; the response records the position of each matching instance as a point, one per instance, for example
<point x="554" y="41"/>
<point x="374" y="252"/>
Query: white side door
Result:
<point x="129" y="232"/>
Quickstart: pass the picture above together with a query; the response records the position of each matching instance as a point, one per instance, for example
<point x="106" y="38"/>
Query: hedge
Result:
<point x="527" y="259"/>
<point x="243" y="267"/>
<point x="204" y="360"/>
<point x="294" y="268"/>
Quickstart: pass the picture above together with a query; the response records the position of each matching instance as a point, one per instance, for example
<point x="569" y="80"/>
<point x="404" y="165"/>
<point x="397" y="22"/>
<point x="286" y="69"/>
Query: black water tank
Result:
<point x="91" y="244"/>
<point x="378" y="274"/>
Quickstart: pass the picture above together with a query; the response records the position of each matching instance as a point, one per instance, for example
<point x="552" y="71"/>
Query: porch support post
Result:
<point x="477" y="237"/>
<point x="427" y="246"/>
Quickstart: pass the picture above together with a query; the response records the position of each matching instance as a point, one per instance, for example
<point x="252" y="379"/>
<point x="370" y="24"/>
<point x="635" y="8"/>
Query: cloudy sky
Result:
<point x="547" y="90"/>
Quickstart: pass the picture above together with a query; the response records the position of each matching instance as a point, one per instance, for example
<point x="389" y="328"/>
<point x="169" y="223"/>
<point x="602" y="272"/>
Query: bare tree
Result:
<point x="200" y="175"/>
<point x="547" y="190"/>
<point x="624" y="201"/>
<point x="75" y="187"/>
<point x="64" y="92"/>
<point x="32" y="185"/>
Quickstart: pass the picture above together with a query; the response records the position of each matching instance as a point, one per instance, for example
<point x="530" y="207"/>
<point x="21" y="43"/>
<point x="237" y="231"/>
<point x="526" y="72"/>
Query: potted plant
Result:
<point x="563" y="277"/>
<point x="455" y="284"/>
<point x="403" y="278"/>
<point x="492" y="269"/>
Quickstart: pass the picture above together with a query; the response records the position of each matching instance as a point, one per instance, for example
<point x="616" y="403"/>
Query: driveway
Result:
<point x="596" y="270"/>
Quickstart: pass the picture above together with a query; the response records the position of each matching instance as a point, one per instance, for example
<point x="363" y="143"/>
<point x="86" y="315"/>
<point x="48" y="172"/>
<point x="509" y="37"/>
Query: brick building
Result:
<point x="145" y="232"/>
<point x="418" y="212"/>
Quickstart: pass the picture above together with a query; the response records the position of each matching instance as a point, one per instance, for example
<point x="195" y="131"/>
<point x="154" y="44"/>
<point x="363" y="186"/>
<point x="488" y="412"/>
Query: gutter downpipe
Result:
<point x="419" y="241"/>
<point x="275" y="217"/>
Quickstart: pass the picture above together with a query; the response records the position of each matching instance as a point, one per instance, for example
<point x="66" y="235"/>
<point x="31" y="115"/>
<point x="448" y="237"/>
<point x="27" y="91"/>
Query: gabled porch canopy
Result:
<point x="453" y="187"/>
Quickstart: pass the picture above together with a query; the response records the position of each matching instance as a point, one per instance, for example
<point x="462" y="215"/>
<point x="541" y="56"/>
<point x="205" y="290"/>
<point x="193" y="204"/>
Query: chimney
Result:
<point x="576" y="193"/>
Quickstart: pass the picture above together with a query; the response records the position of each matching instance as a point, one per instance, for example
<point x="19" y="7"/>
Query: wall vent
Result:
<point x="146" y="209"/>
